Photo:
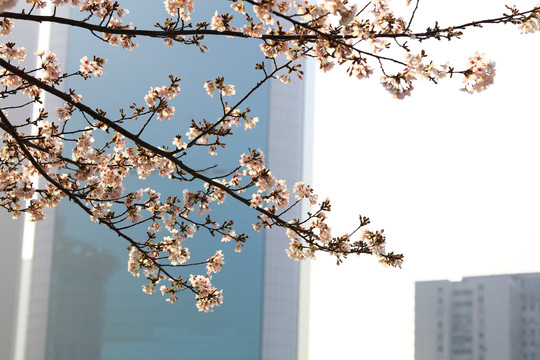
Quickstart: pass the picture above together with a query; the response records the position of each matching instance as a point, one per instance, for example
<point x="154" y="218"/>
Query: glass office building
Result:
<point x="81" y="301"/>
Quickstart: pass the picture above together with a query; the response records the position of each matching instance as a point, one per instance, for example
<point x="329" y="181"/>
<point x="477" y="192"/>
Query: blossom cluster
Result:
<point x="95" y="66"/>
<point x="218" y="84"/>
<point x="156" y="99"/>
<point x="480" y="74"/>
<point x="10" y="52"/>
<point x="208" y="296"/>
<point x="180" y="8"/>
<point x="7" y="4"/>
<point x="49" y="66"/>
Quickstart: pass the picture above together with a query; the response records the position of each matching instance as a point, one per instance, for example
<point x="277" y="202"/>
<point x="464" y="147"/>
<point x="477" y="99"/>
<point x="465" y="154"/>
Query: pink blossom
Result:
<point x="10" y="52"/>
<point x="6" y="25"/>
<point x="7" y="4"/>
<point x="215" y="263"/>
<point x="182" y="8"/>
<point x="480" y="74"/>
<point x="95" y="67"/>
<point x="256" y="200"/>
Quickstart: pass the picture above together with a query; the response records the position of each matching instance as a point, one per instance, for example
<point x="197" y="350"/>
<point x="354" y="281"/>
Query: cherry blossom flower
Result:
<point x="182" y="8"/>
<point x="399" y="85"/>
<point x="7" y="4"/>
<point x="480" y="73"/>
<point x="64" y="113"/>
<point x="95" y="67"/>
<point x="6" y="25"/>
<point x="219" y="22"/>
<point x="215" y="263"/>
<point x="10" y="52"/>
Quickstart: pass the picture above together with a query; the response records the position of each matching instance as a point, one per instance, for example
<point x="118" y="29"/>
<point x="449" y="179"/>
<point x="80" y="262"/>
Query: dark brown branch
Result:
<point x="148" y="33"/>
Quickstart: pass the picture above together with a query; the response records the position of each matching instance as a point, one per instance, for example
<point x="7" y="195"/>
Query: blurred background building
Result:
<point x="479" y="318"/>
<point x="69" y="296"/>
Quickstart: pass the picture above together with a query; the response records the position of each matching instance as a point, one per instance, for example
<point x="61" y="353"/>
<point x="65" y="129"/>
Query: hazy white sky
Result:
<point x="453" y="179"/>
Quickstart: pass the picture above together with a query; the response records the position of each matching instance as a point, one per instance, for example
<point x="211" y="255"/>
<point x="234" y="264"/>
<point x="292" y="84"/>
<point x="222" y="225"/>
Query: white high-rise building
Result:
<point x="479" y="318"/>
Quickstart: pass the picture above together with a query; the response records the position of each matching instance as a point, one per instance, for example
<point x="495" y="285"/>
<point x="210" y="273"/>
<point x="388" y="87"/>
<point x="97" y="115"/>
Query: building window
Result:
<point x="462" y="351"/>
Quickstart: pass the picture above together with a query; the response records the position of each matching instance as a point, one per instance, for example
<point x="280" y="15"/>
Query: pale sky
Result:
<point x="453" y="179"/>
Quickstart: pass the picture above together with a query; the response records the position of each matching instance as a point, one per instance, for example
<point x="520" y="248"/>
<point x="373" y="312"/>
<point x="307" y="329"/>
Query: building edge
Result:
<point x="284" y="323"/>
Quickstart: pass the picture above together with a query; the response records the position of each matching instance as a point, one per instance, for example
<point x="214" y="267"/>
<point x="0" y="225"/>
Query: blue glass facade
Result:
<point x="96" y="308"/>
